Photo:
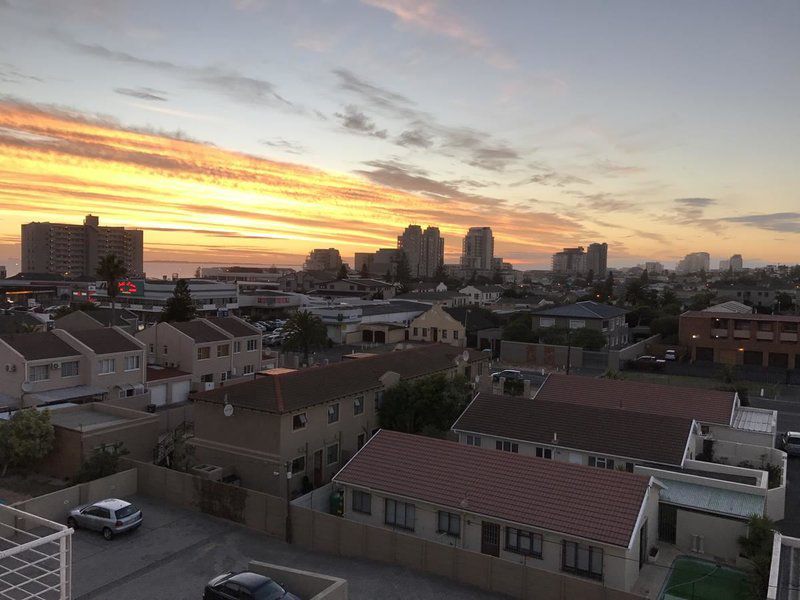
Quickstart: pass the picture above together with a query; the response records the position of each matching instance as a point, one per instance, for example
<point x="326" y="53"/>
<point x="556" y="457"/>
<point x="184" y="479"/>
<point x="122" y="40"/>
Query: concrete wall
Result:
<point x="617" y="358"/>
<point x="56" y="505"/>
<point x="317" y="531"/>
<point x="554" y="357"/>
<point x="304" y="584"/>
<point x="720" y="535"/>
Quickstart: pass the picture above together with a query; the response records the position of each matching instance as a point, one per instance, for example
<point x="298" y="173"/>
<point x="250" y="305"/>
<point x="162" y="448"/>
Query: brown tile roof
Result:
<point x="707" y="406"/>
<point x="105" y="340"/>
<point x="234" y="326"/>
<point x="199" y="331"/>
<point x="628" y="434"/>
<point x="157" y="374"/>
<point x="595" y="504"/>
<point x="287" y="392"/>
<point x="39" y="346"/>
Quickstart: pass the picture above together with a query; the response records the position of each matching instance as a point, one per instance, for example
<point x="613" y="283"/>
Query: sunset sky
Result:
<point x="250" y="131"/>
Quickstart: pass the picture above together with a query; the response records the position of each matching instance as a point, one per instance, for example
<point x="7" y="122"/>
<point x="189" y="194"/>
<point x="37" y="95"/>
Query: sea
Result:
<point x="158" y="269"/>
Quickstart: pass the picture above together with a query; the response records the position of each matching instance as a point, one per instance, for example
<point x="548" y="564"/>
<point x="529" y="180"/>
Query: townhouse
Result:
<point x="355" y="287"/>
<point x="97" y="318"/>
<point x="312" y="420"/>
<point x="214" y="350"/>
<point x="482" y="294"/>
<point x="609" y="320"/>
<point x="714" y="457"/>
<point x="57" y="366"/>
<point x="561" y="517"/>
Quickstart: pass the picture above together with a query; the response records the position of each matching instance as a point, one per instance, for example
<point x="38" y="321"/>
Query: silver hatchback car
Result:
<point x="110" y="517"/>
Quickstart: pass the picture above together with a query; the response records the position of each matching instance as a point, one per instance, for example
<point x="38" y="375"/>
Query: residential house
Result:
<point x="610" y="320"/>
<point x="357" y="287"/>
<point x="481" y="331"/>
<point x="436" y="325"/>
<point x="303" y="281"/>
<point x="762" y="297"/>
<point x="483" y="294"/>
<point x="312" y="419"/>
<point x="168" y="386"/>
<point x="97" y="318"/>
<point x="377" y="321"/>
<point x="447" y="299"/>
<point x="214" y="350"/>
<point x="564" y="518"/>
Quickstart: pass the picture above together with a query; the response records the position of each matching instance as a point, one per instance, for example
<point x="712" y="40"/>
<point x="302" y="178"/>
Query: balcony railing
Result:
<point x="765" y="335"/>
<point x="719" y="333"/>
<point x="741" y="334"/>
<point x="788" y="336"/>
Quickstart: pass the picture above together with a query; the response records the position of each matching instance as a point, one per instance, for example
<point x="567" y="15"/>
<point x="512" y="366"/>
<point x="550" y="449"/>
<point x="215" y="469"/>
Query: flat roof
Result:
<point x="699" y="314"/>
<point x="711" y="499"/>
<point x="87" y="418"/>
<point x="757" y="420"/>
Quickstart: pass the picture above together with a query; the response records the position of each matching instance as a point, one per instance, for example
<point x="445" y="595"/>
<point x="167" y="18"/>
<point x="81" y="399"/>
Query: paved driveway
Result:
<point x="176" y="551"/>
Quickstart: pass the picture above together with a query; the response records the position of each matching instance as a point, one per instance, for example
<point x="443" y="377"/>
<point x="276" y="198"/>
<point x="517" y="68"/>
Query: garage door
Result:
<point x="158" y="395"/>
<point x="180" y="391"/>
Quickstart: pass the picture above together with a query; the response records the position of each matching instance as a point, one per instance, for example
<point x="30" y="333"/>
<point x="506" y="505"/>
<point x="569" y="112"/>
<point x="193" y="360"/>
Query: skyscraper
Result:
<point x="736" y="263"/>
<point x="478" y="249"/>
<point x="694" y="262"/>
<point x="76" y="250"/>
<point x="424" y="250"/>
<point x="410" y="242"/>
<point x="597" y="260"/>
<point x="323" y="259"/>
<point x="570" y="261"/>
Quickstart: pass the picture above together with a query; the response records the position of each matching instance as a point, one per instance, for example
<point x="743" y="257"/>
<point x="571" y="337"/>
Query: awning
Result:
<point x="755" y="419"/>
<point x="711" y="499"/>
<point x="79" y="391"/>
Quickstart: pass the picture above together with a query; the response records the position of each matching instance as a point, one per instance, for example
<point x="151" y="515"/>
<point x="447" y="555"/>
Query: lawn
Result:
<point x="693" y="579"/>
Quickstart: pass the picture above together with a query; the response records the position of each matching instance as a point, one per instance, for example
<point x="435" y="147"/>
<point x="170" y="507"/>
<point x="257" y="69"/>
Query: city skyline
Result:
<point x="289" y="138"/>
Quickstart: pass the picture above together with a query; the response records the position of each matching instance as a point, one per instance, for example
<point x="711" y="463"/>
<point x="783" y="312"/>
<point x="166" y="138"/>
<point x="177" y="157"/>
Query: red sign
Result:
<point x="127" y="287"/>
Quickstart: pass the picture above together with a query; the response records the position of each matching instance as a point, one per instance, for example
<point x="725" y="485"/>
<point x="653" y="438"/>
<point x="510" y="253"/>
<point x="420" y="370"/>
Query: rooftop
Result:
<point x="286" y="392"/>
<point x="200" y="331"/>
<point x="39" y="346"/>
<point x="730" y="307"/>
<point x="698" y="314"/>
<point x="105" y="340"/>
<point x="122" y="318"/>
<point x="595" y="429"/>
<point x="711" y="499"/>
<point x="707" y="406"/>
<point x="755" y="419"/>
<point x="157" y="373"/>
<point x="236" y="327"/>
<point x="587" y="309"/>
<point x="596" y="504"/>
<point x="88" y="417"/>
<point x="432" y="295"/>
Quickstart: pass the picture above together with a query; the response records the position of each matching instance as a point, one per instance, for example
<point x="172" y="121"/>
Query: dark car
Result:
<point x="245" y="586"/>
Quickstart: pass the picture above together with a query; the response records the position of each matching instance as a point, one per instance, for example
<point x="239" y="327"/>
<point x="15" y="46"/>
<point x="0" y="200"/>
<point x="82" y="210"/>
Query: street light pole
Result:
<point x="288" y="467"/>
<point x="569" y="348"/>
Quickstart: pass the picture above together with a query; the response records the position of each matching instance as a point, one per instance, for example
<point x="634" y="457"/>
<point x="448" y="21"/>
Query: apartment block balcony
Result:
<point x="765" y="335"/>
<point x="741" y="334"/>
<point x="719" y="333"/>
<point x="788" y="336"/>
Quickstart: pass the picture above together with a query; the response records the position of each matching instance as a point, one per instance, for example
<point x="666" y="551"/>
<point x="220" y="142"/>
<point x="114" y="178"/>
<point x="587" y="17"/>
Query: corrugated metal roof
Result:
<point x="755" y="419"/>
<point x="711" y="499"/>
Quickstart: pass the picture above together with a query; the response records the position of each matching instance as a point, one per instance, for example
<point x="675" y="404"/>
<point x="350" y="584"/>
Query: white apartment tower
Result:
<point x="694" y="263"/>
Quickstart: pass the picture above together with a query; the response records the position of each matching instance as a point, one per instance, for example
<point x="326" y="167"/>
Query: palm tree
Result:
<point x="111" y="270"/>
<point x="304" y="332"/>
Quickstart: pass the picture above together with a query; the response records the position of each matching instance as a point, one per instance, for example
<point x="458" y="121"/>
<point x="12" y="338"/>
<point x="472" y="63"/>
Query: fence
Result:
<point x="321" y="532"/>
<point x="304" y="583"/>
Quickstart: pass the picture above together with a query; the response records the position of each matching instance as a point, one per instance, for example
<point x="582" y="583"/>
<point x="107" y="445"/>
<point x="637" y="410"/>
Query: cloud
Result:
<point x="613" y="169"/>
<point x="143" y="93"/>
<point x="284" y="145"/>
<point x="691" y="210"/>
<point x="10" y="74"/>
<point x="785" y="222"/>
<point x="415" y="137"/>
<point x="696" y="202"/>
<point x="552" y="178"/>
<point x="355" y="120"/>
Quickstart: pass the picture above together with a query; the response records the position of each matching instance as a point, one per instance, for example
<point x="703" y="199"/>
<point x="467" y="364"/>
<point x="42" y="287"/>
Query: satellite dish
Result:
<point x="465" y="355"/>
<point x="228" y="410"/>
<point x="26" y="386"/>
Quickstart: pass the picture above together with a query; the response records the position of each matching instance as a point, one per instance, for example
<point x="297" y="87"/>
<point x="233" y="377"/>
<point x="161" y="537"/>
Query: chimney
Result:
<point x="498" y="386"/>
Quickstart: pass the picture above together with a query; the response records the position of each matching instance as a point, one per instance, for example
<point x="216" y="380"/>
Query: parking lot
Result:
<point x="175" y="551"/>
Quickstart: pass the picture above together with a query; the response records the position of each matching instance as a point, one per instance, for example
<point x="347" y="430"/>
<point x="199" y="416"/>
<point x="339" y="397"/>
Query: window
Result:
<point x="166" y="350"/>
<point x="248" y="370"/>
<point x="332" y="454"/>
<point x="361" y="439"/>
<point x="133" y="362"/>
<point x="378" y="400"/>
<point x="362" y="502"/>
<point x="106" y="366"/>
<point x="416" y="331"/>
<point x="524" y="542"/>
<point x="473" y="440"/>
<point x="399" y="514"/>
<point x="299" y="465"/>
<point x="252" y="345"/>
<point x="224" y="376"/>
<point x="544" y="452"/>
<point x="582" y="560"/>
<point x="601" y="463"/>
<point x="577" y="324"/>
<point x="449" y="523"/>
<point x="69" y="369"/>
<point x="358" y="405"/>
<point x="299" y="421"/>
<point x="152" y="348"/>
<point x="546" y="321"/>
<point x="237" y="347"/>
<point x="223" y="350"/>
<point x="629" y="467"/>
<point x="444" y="334"/>
<point x="39" y="373"/>
<point x="333" y="413"/>
<point x="507" y="446"/>
<point x="424" y="332"/>
<point x="207" y="378"/>
<point x="455" y="334"/>
<point x="203" y="353"/>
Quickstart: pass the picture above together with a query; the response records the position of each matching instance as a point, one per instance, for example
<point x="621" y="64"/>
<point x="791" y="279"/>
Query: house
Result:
<point x="481" y="331"/>
<point x="564" y="518"/>
<point x="53" y="367"/>
<point x="168" y="386"/>
<point x="447" y="299"/>
<point x="610" y="320"/>
<point x="312" y="419"/>
<point x="214" y="350"/>
<point x="97" y="318"/>
<point x="20" y="322"/>
<point x="436" y="325"/>
<point x="357" y="287"/>
<point x="373" y="321"/>
<point x="303" y="281"/>
<point x="753" y="340"/>
<point x="483" y="294"/>
<point x="715" y="458"/>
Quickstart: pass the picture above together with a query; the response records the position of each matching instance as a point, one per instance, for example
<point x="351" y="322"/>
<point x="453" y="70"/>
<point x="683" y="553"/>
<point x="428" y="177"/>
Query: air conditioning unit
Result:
<point x="11" y="368"/>
<point x="55" y="366"/>
<point x="210" y="472"/>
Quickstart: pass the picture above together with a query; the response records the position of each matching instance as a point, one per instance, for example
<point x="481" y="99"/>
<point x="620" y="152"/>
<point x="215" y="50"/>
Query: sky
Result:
<point x="251" y="131"/>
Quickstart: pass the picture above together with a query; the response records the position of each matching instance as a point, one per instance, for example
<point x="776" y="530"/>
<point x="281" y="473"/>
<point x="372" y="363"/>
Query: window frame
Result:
<point x="302" y="458"/>
<point x="513" y="447"/>
<point x="203" y="350"/>
<point x="450" y="517"/>
<point x="223" y="350"/>
<point x="472" y="440"/>
<point x="358" y="500"/>
<point x="332" y="412"/>
<point x="104" y="361"/>
<point x="574" y="553"/>
<point x="302" y="418"/>
<point x="237" y="346"/>
<point x="135" y="358"/>
<point x="543" y="452"/>
<point x="38" y="369"/>
<point x="253" y="343"/>
<point x="601" y="462"/>
<point x="396" y="505"/>
<point x="532" y="538"/>
<point x="328" y="462"/>
<point x="358" y="402"/>
<point x="77" y="364"/>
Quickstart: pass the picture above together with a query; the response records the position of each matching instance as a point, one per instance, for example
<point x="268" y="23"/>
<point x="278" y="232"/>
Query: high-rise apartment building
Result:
<point x="424" y="249"/>
<point x="76" y="250"/>
<point x="597" y="260"/>
<point x="736" y="263"/>
<point x="654" y="268"/>
<point x="410" y="242"/>
<point x="323" y="259"/>
<point x="694" y="263"/>
<point x="478" y="249"/>
<point x="3" y="274"/>
<point x="570" y="261"/>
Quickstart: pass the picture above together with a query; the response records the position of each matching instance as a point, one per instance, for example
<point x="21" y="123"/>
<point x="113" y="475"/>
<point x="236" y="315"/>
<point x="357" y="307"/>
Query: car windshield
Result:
<point x="269" y="591"/>
<point x="126" y="511"/>
<point x="793" y="440"/>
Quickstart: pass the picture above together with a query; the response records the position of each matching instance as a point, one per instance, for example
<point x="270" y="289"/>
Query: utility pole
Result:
<point x="288" y="467"/>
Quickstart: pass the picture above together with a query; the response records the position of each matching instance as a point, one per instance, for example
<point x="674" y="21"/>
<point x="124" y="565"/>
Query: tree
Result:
<point x="701" y="301"/>
<point x="305" y="332"/>
<point x="180" y="306"/>
<point x="588" y="339"/>
<point x="102" y="462"/>
<point x="403" y="276"/>
<point x="25" y="439"/>
<point x="666" y="326"/>
<point x="111" y="270"/>
<point x="519" y="329"/>
<point x="364" y="272"/>
<point x="783" y="301"/>
<point x="440" y="274"/>
<point x="757" y="546"/>
<point x="636" y="292"/>
<point x="342" y="274"/>
<point x="429" y="405"/>
<point x="590" y="277"/>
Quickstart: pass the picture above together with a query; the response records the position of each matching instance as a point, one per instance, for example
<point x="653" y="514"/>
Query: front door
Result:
<point x="490" y="538"/>
<point x="435" y="334"/>
<point x="317" y="468"/>
<point x="643" y="545"/>
<point x="667" y="522"/>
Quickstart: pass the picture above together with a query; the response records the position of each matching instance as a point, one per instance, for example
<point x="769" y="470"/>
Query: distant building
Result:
<point x="424" y="249"/>
<point x="597" y="260"/>
<point x="323" y="259"/>
<point x="76" y="250"/>
<point x="736" y="263"/>
<point x="238" y="274"/>
<point x="378" y="263"/>
<point x="570" y="261"/>
<point x="478" y="249"/>
<point x="724" y="265"/>
<point x="609" y="320"/>
<point x="654" y="268"/>
<point x="694" y="263"/>
<point x="3" y="274"/>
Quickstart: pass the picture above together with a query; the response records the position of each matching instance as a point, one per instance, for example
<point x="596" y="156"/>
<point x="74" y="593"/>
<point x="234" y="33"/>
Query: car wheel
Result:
<point x="71" y="523"/>
<point x="107" y="533"/>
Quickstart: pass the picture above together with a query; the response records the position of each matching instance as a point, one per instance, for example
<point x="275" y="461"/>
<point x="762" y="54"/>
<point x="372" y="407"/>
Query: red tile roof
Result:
<point x="156" y="374"/>
<point x="596" y="504"/>
<point x="707" y="406"/>
<point x="642" y="436"/>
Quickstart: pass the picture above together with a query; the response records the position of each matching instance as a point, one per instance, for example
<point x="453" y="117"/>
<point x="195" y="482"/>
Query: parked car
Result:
<point x="791" y="443"/>
<point x="110" y="517"/>
<point x="647" y="363"/>
<point x="671" y="355"/>
<point x="509" y="374"/>
<point x="245" y="586"/>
